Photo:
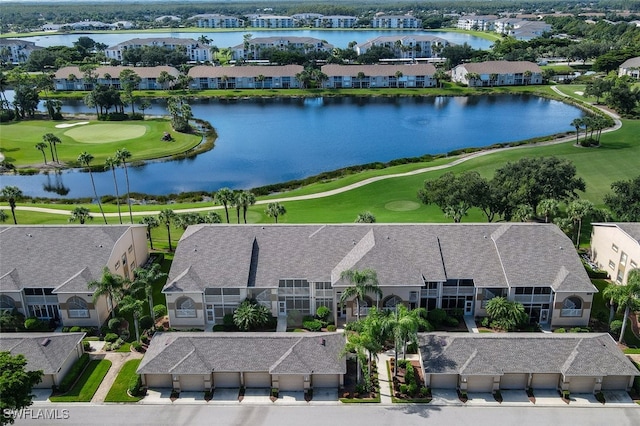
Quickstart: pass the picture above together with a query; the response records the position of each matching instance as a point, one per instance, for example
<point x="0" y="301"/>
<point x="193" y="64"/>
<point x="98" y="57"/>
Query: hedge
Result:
<point x="74" y="373"/>
<point x="134" y="385"/>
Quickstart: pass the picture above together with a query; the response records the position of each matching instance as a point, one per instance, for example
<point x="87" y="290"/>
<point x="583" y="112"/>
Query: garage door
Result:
<point x="159" y="381"/>
<point x="226" y="380"/>
<point x="257" y="380"/>
<point x="615" y="383"/>
<point x="480" y="384"/>
<point x="545" y="381"/>
<point x="191" y="382"/>
<point x="46" y="383"/>
<point x="514" y="381"/>
<point x="444" y="381"/>
<point x="581" y="384"/>
<point x="289" y="382"/>
<point x="325" y="381"/>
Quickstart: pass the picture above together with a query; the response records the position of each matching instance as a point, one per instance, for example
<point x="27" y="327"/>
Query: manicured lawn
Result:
<point x="87" y="384"/>
<point x="118" y="391"/>
<point x="141" y="138"/>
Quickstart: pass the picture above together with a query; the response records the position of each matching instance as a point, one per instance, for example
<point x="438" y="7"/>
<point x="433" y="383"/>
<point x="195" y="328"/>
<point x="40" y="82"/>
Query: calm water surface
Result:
<point x="262" y="142"/>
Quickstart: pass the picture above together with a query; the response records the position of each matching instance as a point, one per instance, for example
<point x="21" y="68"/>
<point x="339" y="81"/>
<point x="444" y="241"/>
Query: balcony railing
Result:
<point x="571" y="313"/>
<point x="78" y="313"/>
<point x="461" y="291"/>
<point x="185" y="313"/>
<point x="533" y="298"/>
<point x="432" y="292"/>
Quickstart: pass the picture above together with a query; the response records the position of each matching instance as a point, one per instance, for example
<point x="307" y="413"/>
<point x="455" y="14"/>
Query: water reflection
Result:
<point x="55" y="186"/>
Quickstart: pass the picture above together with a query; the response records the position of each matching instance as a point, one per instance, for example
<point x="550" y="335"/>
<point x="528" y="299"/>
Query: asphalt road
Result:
<point x="352" y="415"/>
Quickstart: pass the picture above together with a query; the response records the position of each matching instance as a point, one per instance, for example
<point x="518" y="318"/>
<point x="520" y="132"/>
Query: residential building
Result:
<point x="204" y="361"/>
<point x="52" y="353"/>
<point x="246" y="77"/>
<point x="409" y="46"/>
<point x="497" y="73"/>
<point x="252" y="48"/>
<point x="615" y="248"/>
<point x="521" y="29"/>
<point x="195" y="51"/>
<point x="477" y="22"/>
<point x="335" y="21"/>
<point x="574" y="362"/>
<point x="45" y="270"/>
<point x="271" y="21"/>
<point x="71" y="78"/>
<point x="630" y="67"/>
<point x="16" y="51"/>
<point x="391" y="75"/>
<point x="455" y="267"/>
<point x="396" y="21"/>
<point x="215" y="20"/>
<point x="305" y="19"/>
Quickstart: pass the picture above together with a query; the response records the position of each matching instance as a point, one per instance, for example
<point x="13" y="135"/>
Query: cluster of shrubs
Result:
<point x="320" y="321"/>
<point x="573" y="330"/>
<point x="135" y="385"/>
<point x="410" y="385"/>
<point x="113" y="342"/>
<point x="440" y="317"/>
<point x="35" y="324"/>
<point x="11" y="321"/>
<point x="90" y="331"/>
<point x="74" y="373"/>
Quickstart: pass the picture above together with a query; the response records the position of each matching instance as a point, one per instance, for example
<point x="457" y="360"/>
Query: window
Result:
<point x="614" y="247"/>
<point x="623" y="259"/>
<point x="490" y="293"/>
<point x="391" y="302"/>
<point x="612" y="265"/>
<point x="77" y="308"/>
<point x="7" y="303"/>
<point x="572" y="307"/>
<point x="130" y="248"/>
<point x="185" y="308"/>
<point x="633" y="264"/>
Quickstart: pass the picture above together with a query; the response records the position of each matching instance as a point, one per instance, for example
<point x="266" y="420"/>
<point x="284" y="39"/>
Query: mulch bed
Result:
<point x="401" y="379"/>
<point x="350" y="381"/>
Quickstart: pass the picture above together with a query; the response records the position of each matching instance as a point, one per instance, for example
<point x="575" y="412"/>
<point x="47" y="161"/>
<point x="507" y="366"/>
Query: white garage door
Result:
<point x="46" y="383"/>
<point x="226" y="380"/>
<point x="159" y="381"/>
<point x="325" y="381"/>
<point x="514" y="381"/>
<point x="581" y="384"/>
<point x="545" y="381"/>
<point x="615" y="383"/>
<point x="444" y="381"/>
<point x="191" y="382"/>
<point x="257" y="380"/>
<point x="290" y="382"/>
<point x="480" y="384"/>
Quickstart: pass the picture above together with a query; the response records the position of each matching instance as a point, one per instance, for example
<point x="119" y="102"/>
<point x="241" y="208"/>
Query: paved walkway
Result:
<point x="282" y="323"/>
<point x="364" y="182"/>
<point x="383" y="378"/>
<point x="117" y="360"/>
<point x="471" y="324"/>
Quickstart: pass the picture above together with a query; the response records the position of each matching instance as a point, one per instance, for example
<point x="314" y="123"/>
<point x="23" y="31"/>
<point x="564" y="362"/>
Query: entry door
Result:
<point x="468" y="307"/>
<point x="282" y="308"/>
<point x="544" y="316"/>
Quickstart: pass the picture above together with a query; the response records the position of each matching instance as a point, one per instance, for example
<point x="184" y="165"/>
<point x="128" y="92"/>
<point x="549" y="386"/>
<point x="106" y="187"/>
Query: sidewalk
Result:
<point x="384" y="379"/>
<point x="117" y="360"/>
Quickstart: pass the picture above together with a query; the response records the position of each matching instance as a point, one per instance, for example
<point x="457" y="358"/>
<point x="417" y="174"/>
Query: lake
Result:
<point x="266" y="141"/>
<point x="339" y="38"/>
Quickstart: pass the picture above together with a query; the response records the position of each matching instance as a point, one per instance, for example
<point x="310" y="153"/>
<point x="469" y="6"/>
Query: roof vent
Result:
<point x="45" y="342"/>
<point x="323" y="342"/>
<point x="29" y="235"/>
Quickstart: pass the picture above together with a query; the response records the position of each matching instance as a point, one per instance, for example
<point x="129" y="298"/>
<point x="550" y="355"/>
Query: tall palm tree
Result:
<point x="577" y="123"/>
<point x="404" y="326"/>
<point x="151" y="223"/>
<point x="625" y="296"/>
<point x="356" y="343"/>
<point x="274" y="210"/>
<point x="112" y="163"/>
<point x="577" y="210"/>
<point x="131" y="305"/>
<point x="12" y="194"/>
<point x="364" y="281"/>
<point x="145" y="278"/>
<point x="110" y="286"/>
<point x="52" y="140"/>
<point x="123" y="155"/>
<point x="80" y="214"/>
<point x="248" y="199"/>
<point x="548" y="208"/>
<point x="85" y="159"/>
<point x="224" y="196"/>
<point x="167" y="217"/>
<point x="41" y="146"/>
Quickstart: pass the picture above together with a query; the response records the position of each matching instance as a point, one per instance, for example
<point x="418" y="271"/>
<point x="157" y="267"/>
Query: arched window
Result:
<point x="572" y="307"/>
<point x="391" y="302"/>
<point x="185" y="308"/>
<point x="77" y="307"/>
<point x="7" y="303"/>
<point x="365" y="304"/>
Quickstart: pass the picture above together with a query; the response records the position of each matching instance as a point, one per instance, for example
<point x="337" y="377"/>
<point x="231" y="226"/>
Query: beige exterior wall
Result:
<point x="404" y="292"/>
<point x="98" y="312"/>
<point x="608" y="245"/>
<point x="186" y="322"/>
<point x="132" y="246"/>
<point x="559" y="320"/>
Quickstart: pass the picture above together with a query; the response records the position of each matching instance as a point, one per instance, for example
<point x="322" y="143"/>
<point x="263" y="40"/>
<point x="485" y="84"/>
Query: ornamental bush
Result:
<point x="615" y="327"/>
<point x="312" y="325"/>
<point x="159" y="311"/>
<point x="111" y="337"/>
<point x="146" y="322"/>
<point x="75" y="329"/>
<point x="323" y="313"/>
<point x="437" y="316"/>
<point x="134" y="385"/>
<point x="114" y="324"/>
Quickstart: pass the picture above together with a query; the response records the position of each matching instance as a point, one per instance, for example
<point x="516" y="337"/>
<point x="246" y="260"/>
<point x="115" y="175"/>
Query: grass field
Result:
<point x="100" y="139"/>
<point x="118" y="391"/>
<point x="87" y="384"/>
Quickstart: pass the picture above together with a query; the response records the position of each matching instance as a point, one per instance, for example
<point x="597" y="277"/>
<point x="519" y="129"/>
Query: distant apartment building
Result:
<point x="249" y="77"/>
<point x="252" y="48"/>
<point x="396" y="21"/>
<point x="630" y="67"/>
<point x="16" y="51"/>
<point x="71" y="78"/>
<point x="271" y="21"/>
<point x="521" y="29"/>
<point x="477" y="22"/>
<point x="194" y="50"/>
<point x="410" y="46"/>
<point x="215" y="20"/>
<point x="497" y="73"/>
<point x="335" y="21"/>
<point x="391" y="75"/>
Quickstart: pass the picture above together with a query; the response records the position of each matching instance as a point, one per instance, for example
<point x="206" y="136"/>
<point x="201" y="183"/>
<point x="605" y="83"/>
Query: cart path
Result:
<point x="351" y="187"/>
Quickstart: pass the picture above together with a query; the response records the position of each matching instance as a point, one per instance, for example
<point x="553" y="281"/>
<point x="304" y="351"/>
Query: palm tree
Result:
<point x="356" y="343"/>
<point x="151" y="223"/>
<point x="80" y="214"/>
<point x="123" y="155"/>
<point x="224" y="196"/>
<point x="274" y="210"/>
<point x="131" y="305"/>
<point x="577" y="210"/>
<point x="577" y="123"/>
<point x="12" y="194"/>
<point x="41" y="146"/>
<point x="625" y="296"/>
<point x="3" y="216"/>
<point x="548" y="208"/>
<point x="523" y="213"/>
<point x="85" y="159"/>
<point x="261" y="79"/>
<point x="144" y="105"/>
<point x="52" y="140"/>
<point x="404" y="326"/>
<point x="365" y="217"/>
<point x="527" y="77"/>
<point x="167" y="217"/>
<point x="364" y="281"/>
<point x="145" y="278"/>
<point x="110" y="286"/>
<point x="360" y="77"/>
<point x="212" y="217"/>
<point x="244" y="199"/>
<point x="112" y="163"/>
<point x="250" y="315"/>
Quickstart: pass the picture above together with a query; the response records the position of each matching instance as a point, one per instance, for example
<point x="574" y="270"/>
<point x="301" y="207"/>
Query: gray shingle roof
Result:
<point x="114" y="72"/>
<point x="631" y="63"/>
<point x="245" y="71"/>
<point x="52" y="256"/>
<point x="378" y="70"/>
<point x="572" y="354"/>
<point x="277" y="353"/>
<point x="49" y="357"/>
<point x="493" y="255"/>
<point x="502" y="67"/>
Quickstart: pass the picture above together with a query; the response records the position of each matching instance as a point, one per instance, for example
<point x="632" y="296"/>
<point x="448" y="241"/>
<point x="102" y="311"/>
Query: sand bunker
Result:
<point x="65" y="125"/>
<point x="579" y="93"/>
